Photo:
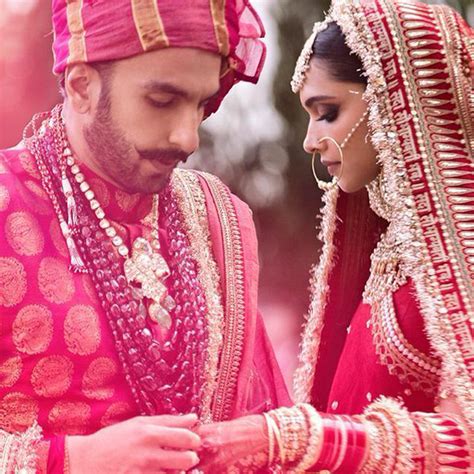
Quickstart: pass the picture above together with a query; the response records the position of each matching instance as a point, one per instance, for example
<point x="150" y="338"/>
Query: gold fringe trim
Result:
<point x="192" y="202"/>
<point x="305" y="373"/>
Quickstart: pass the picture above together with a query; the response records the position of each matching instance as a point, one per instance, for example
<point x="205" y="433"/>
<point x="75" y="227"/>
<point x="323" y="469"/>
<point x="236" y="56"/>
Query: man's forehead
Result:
<point x="176" y="71"/>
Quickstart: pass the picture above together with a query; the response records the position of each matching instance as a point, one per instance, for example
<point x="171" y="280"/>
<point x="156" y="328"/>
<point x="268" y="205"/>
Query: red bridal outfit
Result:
<point x="115" y="305"/>
<point x="386" y="379"/>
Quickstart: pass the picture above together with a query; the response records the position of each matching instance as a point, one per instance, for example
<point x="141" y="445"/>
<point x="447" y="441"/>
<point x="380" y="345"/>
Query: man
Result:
<point x="128" y="288"/>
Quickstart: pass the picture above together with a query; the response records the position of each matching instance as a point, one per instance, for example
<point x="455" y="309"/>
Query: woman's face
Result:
<point x="334" y="108"/>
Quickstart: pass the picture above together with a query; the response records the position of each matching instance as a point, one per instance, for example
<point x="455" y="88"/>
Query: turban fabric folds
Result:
<point x="107" y="30"/>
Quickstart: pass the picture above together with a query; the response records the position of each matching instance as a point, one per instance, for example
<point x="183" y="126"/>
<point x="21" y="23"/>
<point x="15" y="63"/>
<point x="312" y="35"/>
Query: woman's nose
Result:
<point x="311" y="142"/>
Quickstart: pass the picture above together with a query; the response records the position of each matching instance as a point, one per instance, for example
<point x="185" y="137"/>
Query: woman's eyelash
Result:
<point x="329" y="116"/>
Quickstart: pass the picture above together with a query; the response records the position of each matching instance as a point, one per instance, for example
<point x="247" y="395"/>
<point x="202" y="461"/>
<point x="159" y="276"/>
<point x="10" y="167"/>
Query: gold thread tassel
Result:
<point x="76" y="263"/>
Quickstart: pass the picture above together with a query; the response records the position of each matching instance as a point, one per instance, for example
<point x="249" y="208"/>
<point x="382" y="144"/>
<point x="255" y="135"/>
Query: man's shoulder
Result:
<point x="214" y="187"/>
<point x="17" y="163"/>
<point x="20" y="182"/>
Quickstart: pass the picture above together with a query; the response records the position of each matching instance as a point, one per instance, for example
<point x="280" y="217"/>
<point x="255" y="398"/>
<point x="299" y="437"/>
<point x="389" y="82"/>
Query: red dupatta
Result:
<point x="422" y="130"/>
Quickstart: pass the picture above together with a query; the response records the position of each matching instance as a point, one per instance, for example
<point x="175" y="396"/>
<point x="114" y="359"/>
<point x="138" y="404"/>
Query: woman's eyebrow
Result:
<point x="317" y="98"/>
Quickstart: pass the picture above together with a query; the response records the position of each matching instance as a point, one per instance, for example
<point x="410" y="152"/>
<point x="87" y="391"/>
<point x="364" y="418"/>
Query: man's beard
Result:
<point x="117" y="158"/>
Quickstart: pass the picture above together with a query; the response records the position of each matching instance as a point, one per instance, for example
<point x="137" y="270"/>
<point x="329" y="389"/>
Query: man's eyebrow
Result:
<point x="166" y="87"/>
<point x="317" y="98"/>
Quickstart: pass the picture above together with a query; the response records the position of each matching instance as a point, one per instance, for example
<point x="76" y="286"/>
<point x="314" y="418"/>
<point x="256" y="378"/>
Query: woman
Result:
<point x="386" y="380"/>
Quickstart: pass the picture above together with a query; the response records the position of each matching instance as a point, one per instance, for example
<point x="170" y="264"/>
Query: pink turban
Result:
<point x="107" y="30"/>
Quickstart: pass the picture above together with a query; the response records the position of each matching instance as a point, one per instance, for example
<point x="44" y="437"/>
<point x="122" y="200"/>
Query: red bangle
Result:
<point x="353" y="441"/>
<point x="329" y="441"/>
<point x="356" y="448"/>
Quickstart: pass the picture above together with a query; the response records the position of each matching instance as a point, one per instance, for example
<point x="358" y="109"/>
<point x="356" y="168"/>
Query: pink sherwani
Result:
<point x="58" y="360"/>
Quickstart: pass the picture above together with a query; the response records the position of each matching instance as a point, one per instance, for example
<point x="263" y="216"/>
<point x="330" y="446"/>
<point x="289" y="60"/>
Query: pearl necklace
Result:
<point x="146" y="270"/>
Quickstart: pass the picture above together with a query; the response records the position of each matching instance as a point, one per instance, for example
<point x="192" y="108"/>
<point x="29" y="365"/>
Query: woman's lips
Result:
<point x="331" y="166"/>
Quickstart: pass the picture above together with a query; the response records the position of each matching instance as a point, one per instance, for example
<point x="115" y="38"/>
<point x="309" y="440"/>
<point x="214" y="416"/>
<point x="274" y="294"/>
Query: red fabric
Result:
<point x="260" y="386"/>
<point x="358" y="228"/>
<point x="348" y="373"/>
<point x="360" y="378"/>
<point x="56" y="458"/>
<point x="58" y="362"/>
<point x="95" y="30"/>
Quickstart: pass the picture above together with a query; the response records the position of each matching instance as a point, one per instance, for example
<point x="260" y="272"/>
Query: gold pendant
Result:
<point x="148" y="269"/>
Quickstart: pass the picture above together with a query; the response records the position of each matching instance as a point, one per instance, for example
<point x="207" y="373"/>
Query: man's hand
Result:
<point x="229" y="442"/>
<point x="139" y="445"/>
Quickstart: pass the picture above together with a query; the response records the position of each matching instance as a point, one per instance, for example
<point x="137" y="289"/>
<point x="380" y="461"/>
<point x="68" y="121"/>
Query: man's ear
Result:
<point x="82" y="85"/>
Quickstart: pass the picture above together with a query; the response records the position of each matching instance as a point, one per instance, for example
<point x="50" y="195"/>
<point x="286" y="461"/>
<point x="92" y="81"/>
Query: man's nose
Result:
<point x="185" y="134"/>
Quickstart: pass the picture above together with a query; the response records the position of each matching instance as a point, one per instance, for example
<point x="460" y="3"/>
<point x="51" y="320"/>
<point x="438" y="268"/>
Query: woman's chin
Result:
<point x="349" y="187"/>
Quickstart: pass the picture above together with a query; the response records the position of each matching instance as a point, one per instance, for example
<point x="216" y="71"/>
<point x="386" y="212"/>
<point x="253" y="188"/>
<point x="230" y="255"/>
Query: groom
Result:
<point x="128" y="289"/>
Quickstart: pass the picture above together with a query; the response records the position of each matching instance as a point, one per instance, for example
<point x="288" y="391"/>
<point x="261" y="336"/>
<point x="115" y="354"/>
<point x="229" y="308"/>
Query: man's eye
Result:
<point x="159" y="104"/>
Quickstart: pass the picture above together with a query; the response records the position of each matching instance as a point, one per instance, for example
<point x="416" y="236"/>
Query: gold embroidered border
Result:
<point x="462" y="81"/>
<point x="234" y="326"/>
<point x="220" y="27"/>
<point x="77" y="42"/>
<point x="149" y="25"/>
<point x="412" y="367"/>
<point x="192" y="203"/>
<point x="446" y="307"/>
<point x="308" y="356"/>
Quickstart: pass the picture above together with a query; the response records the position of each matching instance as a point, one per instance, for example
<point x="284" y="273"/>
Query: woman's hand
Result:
<point x="228" y="442"/>
<point x="153" y="444"/>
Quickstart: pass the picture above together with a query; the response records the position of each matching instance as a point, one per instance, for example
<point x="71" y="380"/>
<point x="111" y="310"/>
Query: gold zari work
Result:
<point x="82" y="330"/>
<point x="32" y="329"/>
<point x="192" y="202"/>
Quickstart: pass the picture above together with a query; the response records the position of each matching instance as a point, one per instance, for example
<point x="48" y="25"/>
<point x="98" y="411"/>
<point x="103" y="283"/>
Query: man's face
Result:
<point x="148" y="114"/>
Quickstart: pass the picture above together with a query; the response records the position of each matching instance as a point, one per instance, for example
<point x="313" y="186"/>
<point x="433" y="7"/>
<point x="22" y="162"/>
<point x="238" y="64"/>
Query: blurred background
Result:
<point x="254" y="144"/>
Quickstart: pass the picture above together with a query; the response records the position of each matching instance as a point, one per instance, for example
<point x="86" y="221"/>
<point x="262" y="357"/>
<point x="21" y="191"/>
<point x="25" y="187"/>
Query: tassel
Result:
<point x="70" y="202"/>
<point x="76" y="263"/>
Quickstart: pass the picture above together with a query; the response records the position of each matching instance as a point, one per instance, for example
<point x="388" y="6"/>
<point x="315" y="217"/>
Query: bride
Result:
<point x="386" y="376"/>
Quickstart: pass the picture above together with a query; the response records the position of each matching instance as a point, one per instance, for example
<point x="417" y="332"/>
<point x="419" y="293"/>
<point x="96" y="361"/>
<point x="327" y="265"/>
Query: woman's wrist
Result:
<point x="304" y="439"/>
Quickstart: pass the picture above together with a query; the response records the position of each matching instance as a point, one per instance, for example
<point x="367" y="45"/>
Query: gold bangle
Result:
<point x="315" y="431"/>
<point x="292" y="427"/>
<point x="277" y="434"/>
<point x="401" y="444"/>
<point x="271" y="440"/>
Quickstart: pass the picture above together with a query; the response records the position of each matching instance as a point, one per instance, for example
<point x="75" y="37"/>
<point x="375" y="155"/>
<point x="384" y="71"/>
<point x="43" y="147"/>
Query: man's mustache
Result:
<point x="164" y="156"/>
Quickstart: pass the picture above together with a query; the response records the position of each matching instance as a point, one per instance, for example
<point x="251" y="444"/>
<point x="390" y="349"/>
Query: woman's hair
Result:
<point x="343" y="65"/>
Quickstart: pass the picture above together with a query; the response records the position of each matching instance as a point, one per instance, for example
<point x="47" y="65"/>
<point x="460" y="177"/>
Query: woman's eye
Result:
<point x="329" y="116"/>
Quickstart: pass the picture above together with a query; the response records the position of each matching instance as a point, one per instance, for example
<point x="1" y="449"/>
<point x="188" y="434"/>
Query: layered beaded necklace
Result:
<point x="164" y="378"/>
